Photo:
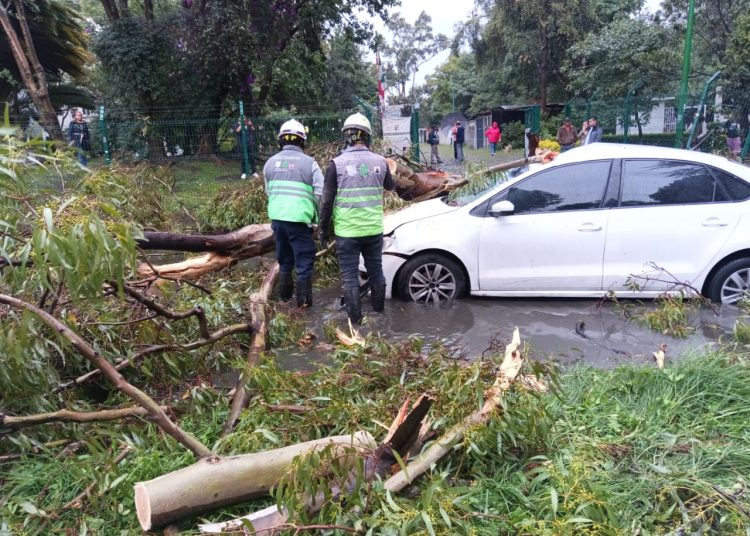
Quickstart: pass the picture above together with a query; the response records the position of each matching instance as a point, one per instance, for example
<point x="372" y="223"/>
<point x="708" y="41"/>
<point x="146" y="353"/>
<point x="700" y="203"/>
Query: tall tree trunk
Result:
<point x="148" y="10"/>
<point x="110" y="8"/>
<point x="32" y="72"/>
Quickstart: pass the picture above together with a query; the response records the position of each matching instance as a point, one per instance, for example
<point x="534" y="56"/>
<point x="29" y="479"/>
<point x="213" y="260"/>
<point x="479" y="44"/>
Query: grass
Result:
<point x="631" y="451"/>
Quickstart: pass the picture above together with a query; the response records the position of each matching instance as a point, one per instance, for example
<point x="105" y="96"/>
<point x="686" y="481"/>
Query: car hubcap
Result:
<point x="736" y="286"/>
<point x="432" y="283"/>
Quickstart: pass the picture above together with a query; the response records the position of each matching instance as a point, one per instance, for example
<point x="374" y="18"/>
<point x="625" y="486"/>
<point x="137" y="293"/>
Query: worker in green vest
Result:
<point x="294" y="184"/>
<point x="353" y="196"/>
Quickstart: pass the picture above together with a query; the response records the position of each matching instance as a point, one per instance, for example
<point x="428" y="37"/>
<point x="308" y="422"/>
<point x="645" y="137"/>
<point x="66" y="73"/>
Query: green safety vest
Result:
<point x="289" y="186"/>
<point x="358" y="209"/>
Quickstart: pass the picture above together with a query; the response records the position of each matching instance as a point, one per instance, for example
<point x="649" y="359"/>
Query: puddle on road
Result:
<point x="547" y="326"/>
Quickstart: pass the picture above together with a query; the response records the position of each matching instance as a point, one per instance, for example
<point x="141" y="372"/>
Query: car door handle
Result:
<point x="589" y="227"/>
<point x="713" y="222"/>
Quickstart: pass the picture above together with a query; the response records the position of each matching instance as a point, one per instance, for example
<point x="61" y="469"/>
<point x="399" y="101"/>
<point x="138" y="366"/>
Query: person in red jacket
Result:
<point x="493" y="135"/>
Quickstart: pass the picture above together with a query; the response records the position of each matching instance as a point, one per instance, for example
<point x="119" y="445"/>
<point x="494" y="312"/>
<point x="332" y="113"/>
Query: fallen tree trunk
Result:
<point x="223" y="250"/>
<point x="538" y="159"/>
<point x="65" y="415"/>
<point x="218" y="481"/>
<point x="239" y="239"/>
<point x="411" y="186"/>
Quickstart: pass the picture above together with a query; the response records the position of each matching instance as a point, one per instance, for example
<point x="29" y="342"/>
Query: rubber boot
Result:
<point x="286" y="286"/>
<point x="377" y="297"/>
<point x="304" y="293"/>
<point x="353" y="305"/>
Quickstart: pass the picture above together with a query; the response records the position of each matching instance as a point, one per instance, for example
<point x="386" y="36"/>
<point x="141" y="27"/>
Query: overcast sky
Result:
<point x="445" y="14"/>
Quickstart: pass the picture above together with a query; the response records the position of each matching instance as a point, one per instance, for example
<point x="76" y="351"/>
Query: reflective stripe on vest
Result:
<point x="288" y="176"/>
<point x="358" y="209"/>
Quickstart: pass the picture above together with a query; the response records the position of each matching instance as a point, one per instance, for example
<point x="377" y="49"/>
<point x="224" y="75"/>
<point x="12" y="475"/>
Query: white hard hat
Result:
<point x="294" y="128"/>
<point x="358" y="121"/>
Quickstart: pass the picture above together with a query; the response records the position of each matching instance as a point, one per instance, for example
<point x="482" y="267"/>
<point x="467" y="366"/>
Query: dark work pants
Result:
<point x="295" y="247"/>
<point x="348" y="251"/>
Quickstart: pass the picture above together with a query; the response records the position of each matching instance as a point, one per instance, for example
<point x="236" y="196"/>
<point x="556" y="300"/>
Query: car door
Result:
<point x="554" y="241"/>
<point x="673" y="218"/>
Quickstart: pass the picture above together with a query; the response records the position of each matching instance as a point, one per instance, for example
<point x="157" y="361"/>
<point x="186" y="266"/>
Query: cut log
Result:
<point x="218" y="481"/>
<point x="412" y="186"/>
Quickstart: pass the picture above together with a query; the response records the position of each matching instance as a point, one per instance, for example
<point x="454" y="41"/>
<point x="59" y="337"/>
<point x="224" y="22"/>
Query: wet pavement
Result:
<point x="567" y="331"/>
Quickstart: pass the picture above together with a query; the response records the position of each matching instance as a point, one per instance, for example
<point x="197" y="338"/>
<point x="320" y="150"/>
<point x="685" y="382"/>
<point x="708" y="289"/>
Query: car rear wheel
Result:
<point x="731" y="283"/>
<point x="431" y="279"/>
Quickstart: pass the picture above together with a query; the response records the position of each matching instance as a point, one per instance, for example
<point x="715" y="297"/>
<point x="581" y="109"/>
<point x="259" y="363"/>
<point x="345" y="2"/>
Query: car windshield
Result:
<point x="476" y="188"/>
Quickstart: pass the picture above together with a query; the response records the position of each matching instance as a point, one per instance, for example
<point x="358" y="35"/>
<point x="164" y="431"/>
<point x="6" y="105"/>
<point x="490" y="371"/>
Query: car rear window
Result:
<point x="665" y="182"/>
<point x="738" y="189"/>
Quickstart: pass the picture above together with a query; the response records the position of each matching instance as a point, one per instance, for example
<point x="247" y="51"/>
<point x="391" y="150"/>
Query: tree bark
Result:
<point x="148" y="10"/>
<point x="110" y="8"/>
<point x="122" y="385"/>
<point x="219" y="481"/>
<point x="259" y="236"/>
<point x="65" y="415"/>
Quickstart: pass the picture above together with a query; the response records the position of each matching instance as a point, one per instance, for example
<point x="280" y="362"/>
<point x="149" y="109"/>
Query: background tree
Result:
<point x="526" y="42"/>
<point x="411" y="45"/>
<point x="41" y="42"/>
<point x="271" y="51"/>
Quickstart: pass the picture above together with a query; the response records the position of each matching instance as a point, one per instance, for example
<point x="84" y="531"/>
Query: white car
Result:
<point x="594" y="220"/>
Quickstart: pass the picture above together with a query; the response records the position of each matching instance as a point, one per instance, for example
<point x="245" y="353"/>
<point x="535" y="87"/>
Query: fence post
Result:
<point x="745" y="147"/>
<point x="701" y="109"/>
<point x="415" y="132"/>
<point x="103" y="134"/>
<point x="243" y="139"/>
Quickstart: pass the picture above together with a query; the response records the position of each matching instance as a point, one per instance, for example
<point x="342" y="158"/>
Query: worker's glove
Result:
<point x="315" y="232"/>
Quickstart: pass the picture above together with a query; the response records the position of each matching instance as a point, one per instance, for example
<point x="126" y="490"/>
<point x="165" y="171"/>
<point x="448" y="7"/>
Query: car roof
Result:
<point x="596" y="151"/>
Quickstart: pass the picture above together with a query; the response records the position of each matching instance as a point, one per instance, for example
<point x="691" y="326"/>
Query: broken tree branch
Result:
<point x="14" y="422"/>
<point x="161" y="348"/>
<point x="86" y="350"/>
<point x="258" y="301"/>
<point x="509" y="370"/>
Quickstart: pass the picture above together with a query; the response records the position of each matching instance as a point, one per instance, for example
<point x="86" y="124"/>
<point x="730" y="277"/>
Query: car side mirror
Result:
<point x="502" y="208"/>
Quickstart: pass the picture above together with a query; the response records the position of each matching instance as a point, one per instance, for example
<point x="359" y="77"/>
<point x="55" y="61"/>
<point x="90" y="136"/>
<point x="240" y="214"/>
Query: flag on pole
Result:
<point x="381" y="87"/>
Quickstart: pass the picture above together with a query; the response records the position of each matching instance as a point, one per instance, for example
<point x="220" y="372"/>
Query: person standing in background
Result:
<point x="433" y="138"/>
<point x="566" y="135"/>
<point x="493" y="135"/>
<point x="250" y="133"/>
<point x="79" y="136"/>
<point x="459" y="142"/>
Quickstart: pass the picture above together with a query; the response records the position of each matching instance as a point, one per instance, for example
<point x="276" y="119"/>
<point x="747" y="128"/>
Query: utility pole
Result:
<point x="682" y="98"/>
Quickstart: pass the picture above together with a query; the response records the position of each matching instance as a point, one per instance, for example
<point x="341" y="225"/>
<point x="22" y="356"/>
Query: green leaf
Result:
<point x="579" y="520"/>
<point x="47" y="214"/>
<point x="553" y="500"/>
<point x="428" y="523"/>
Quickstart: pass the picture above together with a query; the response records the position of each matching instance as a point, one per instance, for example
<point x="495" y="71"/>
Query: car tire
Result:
<point x="431" y="278"/>
<point x="731" y="282"/>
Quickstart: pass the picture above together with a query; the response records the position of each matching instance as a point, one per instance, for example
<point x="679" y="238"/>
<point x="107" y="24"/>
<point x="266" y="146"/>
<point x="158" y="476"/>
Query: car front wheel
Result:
<point x="731" y="282"/>
<point x="431" y="279"/>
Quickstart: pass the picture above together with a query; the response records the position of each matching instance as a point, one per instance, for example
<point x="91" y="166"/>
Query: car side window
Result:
<point x="574" y="187"/>
<point x="667" y="182"/>
<point x="738" y="189"/>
